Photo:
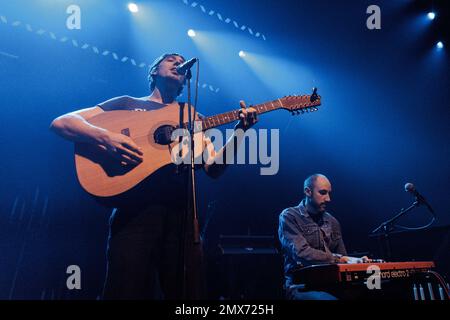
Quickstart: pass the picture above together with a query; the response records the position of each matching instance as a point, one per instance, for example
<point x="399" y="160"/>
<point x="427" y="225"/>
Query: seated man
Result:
<point x="310" y="235"/>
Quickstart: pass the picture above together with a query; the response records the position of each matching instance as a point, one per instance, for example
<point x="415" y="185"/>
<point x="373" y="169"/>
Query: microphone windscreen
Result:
<point x="409" y="187"/>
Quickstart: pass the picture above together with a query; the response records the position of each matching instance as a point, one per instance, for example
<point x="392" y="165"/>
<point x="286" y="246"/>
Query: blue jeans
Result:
<point x="298" y="293"/>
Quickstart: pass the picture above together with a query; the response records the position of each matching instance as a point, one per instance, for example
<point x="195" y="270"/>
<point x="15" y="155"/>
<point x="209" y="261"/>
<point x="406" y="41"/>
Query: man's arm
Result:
<point x="74" y="126"/>
<point x="214" y="168"/>
<point x="295" y="244"/>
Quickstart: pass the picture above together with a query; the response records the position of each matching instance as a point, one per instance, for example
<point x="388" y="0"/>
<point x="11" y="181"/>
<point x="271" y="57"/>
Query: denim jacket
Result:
<point x="306" y="242"/>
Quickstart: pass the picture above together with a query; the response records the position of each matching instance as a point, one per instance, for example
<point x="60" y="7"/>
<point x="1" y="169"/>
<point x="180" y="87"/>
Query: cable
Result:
<point x="416" y="228"/>
<point x="196" y="88"/>
<point x="441" y="281"/>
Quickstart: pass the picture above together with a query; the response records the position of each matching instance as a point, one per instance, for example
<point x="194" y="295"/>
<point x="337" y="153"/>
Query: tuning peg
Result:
<point x="314" y="95"/>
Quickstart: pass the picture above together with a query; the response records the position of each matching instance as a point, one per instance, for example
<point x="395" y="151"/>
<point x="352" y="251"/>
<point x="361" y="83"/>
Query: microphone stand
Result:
<point x="192" y="176"/>
<point x="192" y="196"/>
<point x="386" y="227"/>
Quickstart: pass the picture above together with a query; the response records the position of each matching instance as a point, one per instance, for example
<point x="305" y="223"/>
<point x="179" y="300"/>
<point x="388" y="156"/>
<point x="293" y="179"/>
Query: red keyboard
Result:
<point x="358" y="272"/>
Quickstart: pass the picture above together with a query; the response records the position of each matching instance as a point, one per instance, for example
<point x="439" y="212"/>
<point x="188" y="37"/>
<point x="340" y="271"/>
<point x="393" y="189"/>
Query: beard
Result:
<point x="319" y="207"/>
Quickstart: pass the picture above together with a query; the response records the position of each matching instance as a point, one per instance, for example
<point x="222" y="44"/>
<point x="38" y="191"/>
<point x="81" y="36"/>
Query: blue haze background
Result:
<point x="384" y="119"/>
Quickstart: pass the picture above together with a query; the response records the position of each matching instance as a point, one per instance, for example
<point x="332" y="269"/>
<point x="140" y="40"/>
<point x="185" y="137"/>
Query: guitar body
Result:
<point x="103" y="176"/>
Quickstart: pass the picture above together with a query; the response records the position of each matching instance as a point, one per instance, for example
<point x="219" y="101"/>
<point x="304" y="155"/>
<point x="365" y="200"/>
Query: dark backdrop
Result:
<point x="384" y="119"/>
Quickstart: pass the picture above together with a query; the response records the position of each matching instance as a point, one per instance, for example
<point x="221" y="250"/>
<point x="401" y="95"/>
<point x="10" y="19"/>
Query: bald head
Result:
<point x="310" y="181"/>
<point x="317" y="190"/>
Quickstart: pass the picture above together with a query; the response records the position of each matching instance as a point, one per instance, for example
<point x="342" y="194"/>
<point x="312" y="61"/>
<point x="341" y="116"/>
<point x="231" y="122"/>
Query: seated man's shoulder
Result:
<point x="290" y="212"/>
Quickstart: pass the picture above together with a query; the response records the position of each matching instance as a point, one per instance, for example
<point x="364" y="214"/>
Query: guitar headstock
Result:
<point x="301" y="104"/>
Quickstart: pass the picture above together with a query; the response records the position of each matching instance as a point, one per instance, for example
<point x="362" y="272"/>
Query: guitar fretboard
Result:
<point x="291" y="103"/>
<point x="230" y="116"/>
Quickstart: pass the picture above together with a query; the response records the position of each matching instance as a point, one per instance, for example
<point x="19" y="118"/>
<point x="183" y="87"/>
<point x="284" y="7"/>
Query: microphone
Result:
<point x="185" y="66"/>
<point x="409" y="187"/>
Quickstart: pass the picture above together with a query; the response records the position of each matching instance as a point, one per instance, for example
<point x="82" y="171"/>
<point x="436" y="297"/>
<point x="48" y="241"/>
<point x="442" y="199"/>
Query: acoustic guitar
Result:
<point x="103" y="176"/>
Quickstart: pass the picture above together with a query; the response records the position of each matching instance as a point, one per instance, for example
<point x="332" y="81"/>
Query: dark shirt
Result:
<point x="306" y="240"/>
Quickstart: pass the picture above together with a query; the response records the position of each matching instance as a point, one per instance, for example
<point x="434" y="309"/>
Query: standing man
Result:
<point x="310" y="235"/>
<point x="146" y="239"/>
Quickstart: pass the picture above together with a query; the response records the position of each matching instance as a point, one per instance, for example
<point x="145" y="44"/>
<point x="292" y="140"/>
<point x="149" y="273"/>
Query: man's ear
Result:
<point x="308" y="192"/>
<point x="154" y="72"/>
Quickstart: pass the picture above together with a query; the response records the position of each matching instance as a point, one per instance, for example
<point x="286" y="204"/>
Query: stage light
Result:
<point x="440" y="45"/>
<point x="241" y="54"/>
<point x="191" y="33"/>
<point x="133" y="7"/>
<point x="431" y="15"/>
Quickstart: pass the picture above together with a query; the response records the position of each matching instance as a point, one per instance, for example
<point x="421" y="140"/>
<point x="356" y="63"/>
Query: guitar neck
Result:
<point x="231" y="116"/>
<point x="299" y="104"/>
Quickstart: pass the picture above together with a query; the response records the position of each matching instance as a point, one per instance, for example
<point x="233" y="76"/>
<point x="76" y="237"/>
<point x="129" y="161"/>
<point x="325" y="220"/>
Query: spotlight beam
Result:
<point x="133" y="7"/>
<point x="191" y="33"/>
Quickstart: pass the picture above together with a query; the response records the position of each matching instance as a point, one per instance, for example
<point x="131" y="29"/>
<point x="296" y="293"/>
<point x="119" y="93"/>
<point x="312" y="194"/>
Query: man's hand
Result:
<point x="345" y="259"/>
<point x="248" y="117"/>
<point x="122" y="148"/>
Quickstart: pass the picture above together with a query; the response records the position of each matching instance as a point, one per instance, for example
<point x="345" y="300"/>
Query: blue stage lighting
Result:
<point x="431" y="15"/>
<point x="241" y="54"/>
<point x="440" y="45"/>
<point x="133" y="7"/>
<point x="191" y="33"/>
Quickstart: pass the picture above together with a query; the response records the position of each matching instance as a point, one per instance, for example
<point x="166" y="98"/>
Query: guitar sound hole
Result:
<point x="163" y="134"/>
